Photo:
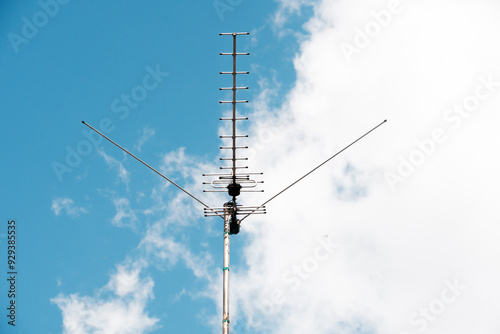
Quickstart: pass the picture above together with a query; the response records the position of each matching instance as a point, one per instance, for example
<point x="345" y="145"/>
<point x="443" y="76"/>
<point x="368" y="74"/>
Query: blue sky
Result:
<point x="401" y="224"/>
<point x="86" y="56"/>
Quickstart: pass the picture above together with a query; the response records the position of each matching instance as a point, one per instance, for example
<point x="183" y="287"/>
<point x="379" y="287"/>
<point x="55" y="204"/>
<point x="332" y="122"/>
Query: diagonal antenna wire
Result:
<point x="154" y="170"/>
<point x="321" y="164"/>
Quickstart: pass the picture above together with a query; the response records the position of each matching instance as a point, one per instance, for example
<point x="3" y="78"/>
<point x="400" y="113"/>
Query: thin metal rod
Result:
<point x="237" y="136"/>
<point x="321" y="164"/>
<point x="231" y="88"/>
<point x="233" y="33"/>
<point x="228" y="210"/>
<point x="242" y="72"/>
<point x="238" y="54"/>
<point x="154" y="170"/>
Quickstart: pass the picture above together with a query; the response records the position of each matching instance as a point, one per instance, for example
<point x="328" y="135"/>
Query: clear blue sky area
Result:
<point x="123" y="66"/>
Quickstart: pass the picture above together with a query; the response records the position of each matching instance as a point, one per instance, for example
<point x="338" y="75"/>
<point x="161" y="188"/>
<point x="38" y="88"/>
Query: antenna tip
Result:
<point x="385" y="120"/>
<point x="83" y="122"/>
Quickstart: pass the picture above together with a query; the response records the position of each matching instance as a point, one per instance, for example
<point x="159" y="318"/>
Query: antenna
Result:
<point x="236" y="180"/>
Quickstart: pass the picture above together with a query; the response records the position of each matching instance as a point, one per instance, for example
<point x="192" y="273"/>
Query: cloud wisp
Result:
<point x="68" y="206"/>
<point x="147" y="133"/>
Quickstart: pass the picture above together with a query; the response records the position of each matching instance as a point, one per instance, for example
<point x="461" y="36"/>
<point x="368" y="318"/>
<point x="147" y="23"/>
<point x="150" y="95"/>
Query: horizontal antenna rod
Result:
<point x="242" y="72"/>
<point x="235" y="54"/>
<point x="233" y="33"/>
<point x="154" y="170"/>
<point x="231" y="88"/>
<point x="321" y="164"/>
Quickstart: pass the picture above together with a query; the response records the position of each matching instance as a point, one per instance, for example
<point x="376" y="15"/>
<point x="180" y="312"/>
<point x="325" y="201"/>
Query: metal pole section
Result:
<point x="228" y="208"/>
<point x="234" y="110"/>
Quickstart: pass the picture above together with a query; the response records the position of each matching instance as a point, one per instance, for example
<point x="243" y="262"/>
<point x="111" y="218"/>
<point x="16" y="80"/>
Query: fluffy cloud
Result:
<point x="67" y="205"/>
<point x="121" y="305"/>
<point x="118" y="308"/>
<point x="411" y="207"/>
<point x="399" y="233"/>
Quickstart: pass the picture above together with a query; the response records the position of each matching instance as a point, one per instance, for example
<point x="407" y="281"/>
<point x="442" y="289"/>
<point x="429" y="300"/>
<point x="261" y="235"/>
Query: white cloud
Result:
<point x="119" y="308"/>
<point x="123" y="174"/>
<point x="164" y="248"/>
<point x="121" y="305"/>
<point x="67" y="205"/>
<point x="398" y="248"/>
<point x="125" y="215"/>
<point x="146" y="134"/>
<point x="188" y="172"/>
<point x="288" y="8"/>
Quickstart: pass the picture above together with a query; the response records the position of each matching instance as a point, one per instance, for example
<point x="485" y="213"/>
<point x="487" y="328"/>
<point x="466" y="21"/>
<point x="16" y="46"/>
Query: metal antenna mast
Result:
<point x="233" y="178"/>
<point x="234" y="182"/>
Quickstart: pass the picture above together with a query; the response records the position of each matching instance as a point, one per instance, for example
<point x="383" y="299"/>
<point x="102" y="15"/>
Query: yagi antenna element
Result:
<point x="235" y="179"/>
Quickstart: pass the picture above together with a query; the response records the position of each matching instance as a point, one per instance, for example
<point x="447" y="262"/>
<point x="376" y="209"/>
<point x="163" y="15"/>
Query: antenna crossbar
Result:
<point x="230" y="175"/>
<point x="229" y="147"/>
<point x="233" y="33"/>
<point x="232" y="88"/>
<point x="237" y="167"/>
<point x="241" y="190"/>
<point x="241" y="72"/>
<point x="237" y="210"/>
<point x="235" y="136"/>
<point x="234" y="54"/>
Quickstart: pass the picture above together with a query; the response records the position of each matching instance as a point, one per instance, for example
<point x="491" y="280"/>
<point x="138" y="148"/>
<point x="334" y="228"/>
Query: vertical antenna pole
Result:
<point x="228" y="209"/>
<point x="234" y="112"/>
